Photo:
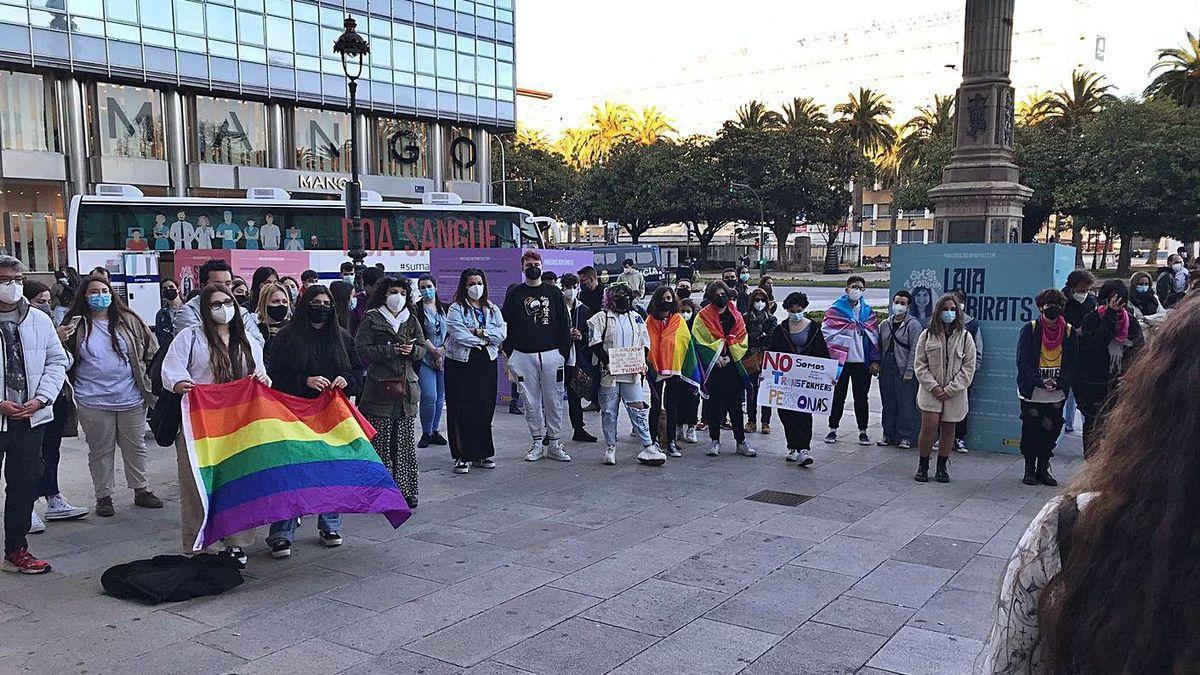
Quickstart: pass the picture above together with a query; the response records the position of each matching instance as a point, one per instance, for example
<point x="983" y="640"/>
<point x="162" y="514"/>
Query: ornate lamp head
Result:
<point x="352" y="47"/>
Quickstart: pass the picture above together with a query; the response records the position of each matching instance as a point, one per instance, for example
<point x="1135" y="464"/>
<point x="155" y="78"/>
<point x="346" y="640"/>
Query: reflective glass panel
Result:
<point x="231" y="132"/>
<point x="321" y="139"/>
<point x="401" y="148"/>
<point x="23" y="112"/>
<point x="128" y="122"/>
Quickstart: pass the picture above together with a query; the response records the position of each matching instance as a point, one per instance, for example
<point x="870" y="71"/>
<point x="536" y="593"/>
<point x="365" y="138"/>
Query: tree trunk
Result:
<point x="705" y="242"/>
<point x="1077" y="241"/>
<point x="782" y="258"/>
<point x="831" y="255"/>
<point x="892" y="231"/>
<point x="1104" y="253"/>
<point x="1126" y="256"/>
<point x="1153" y="254"/>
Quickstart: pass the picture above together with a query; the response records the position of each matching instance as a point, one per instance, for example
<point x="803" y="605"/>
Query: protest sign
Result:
<point x="627" y="360"/>
<point x="795" y="382"/>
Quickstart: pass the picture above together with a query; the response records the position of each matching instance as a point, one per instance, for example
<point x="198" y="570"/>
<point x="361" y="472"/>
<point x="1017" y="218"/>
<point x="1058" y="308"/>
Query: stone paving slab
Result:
<point x="553" y="568"/>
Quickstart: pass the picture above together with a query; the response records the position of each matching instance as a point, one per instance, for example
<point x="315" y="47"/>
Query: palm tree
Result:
<point x="1088" y="95"/>
<point x="1181" y="80"/>
<point x="865" y="119"/>
<point x="930" y="122"/>
<point x="757" y="117"/>
<point x="608" y="125"/>
<point x="803" y="113"/>
<point x="534" y="138"/>
<point x="575" y="147"/>
<point x="1034" y="109"/>
<point x="651" y="126"/>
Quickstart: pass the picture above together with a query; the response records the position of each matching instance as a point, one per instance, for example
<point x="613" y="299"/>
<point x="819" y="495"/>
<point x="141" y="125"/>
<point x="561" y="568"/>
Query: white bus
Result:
<point x="140" y="239"/>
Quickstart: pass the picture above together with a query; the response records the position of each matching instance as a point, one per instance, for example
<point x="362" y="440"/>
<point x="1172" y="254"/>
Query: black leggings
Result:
<point x="1040" y="425"/>
<point x="797" y="427"/>
<point x="725" y="394"/>
<point x="752" y="403"/>
<point x="858" y="377"/>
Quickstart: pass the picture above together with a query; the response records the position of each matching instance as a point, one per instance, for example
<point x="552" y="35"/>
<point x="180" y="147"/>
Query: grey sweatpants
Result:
<point x="540" y="379"/>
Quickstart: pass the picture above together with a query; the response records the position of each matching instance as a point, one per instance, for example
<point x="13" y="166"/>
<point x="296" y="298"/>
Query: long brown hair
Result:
<point x="1128" y="597"/>
<point x="118" y="313"/>
<point x="939" y="327"/>
<point x="237" y="360"/>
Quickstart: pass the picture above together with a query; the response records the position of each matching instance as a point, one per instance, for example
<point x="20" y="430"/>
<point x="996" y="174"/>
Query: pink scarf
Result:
<point x="1116" y="348"/>
<point x="1122" y="323"/>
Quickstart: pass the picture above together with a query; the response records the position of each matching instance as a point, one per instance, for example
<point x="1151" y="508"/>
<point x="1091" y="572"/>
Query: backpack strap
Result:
<point x="1068" y="513"/>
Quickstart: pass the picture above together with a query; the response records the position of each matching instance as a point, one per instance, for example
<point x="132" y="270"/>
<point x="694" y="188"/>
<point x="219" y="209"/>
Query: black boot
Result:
<point x="1043" y="472"/>
<point x="941" y="476"/>
<point x="922" y="471"/>
<point x="1030" y="472"/>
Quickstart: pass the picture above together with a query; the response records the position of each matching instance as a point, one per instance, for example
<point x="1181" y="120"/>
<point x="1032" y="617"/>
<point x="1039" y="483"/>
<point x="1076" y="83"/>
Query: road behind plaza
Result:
<point x="566" y="568"/>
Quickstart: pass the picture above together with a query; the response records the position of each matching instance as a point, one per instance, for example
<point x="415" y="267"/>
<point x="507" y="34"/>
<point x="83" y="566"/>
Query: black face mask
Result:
<point x="170" y="294"/>
<point x="729" y="282"/>
<point x="533" y="272"/>
<point x="319" y="314"/>
<point x="621" y="304"/>
<point x="684" y="293"/>
<point x="277" y="312"/>
<point x="1052" y="312"/>
<point x="720" y="301"/>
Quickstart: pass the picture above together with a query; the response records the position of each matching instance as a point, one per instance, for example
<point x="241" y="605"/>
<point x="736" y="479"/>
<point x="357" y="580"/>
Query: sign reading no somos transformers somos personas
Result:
<point x="795" y="382"/>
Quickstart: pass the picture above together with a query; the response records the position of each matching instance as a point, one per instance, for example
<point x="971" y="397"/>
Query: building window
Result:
<point x="883" y="237"/>
<point x="868" y="211"/>
<point x="883" y="210"/>
<point x="462" y="154"/>
<point x="913" y="237"/>
<point x="128" y="122"/>
<point x="26" y="113"/>
<point x="401" y="148"/>
<point x="34" y="223"/>
<point x="231" y="132"/>
<point x="322" y="140"/>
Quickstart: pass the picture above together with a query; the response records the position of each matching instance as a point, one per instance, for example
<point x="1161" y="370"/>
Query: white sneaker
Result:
<point x="745" y="450"/>
<point x="557" y="453"/>
<point x="58" y="508"/>
<point x="805" y="458"/>
<point x="536" y="451"/>
<point x="610" y="455"/>
<point x="652" y="455"/>
<point x="672" y="450"/>
<point x="689" y="435"/>
<point x="36" y="526"/>
<point x="793" y="456"/>
<point x="714" y="449"/>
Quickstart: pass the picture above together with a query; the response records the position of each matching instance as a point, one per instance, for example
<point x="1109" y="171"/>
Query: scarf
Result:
<point x="672" y="351"/>
<point x="711" y="342"/>
<point x="396" y="321"/>
<point x="1053" y="334"/>
<point x="1116" y="348"/>
<point x="844" y="323"/>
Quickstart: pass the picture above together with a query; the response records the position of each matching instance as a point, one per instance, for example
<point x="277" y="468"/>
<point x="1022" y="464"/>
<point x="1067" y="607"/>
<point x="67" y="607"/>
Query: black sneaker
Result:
<point x="486" y="463"/>
<point x="436" y="438"/>
<point x="831" y="437"/>
<point x="461" y="467"/>
<point x="238" y="555"/>
<point x="514" y="410"/>
<point x="424" y="442"/>
<point x="863" y="439"/>
<point x="331" y="539"/>
<point x="411" y="501"/>
<point x="582" y="436"/>
<point x="281" y="549"/>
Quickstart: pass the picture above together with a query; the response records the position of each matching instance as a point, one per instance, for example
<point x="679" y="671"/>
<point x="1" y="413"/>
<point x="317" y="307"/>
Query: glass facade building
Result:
<point x="212" y="97"/>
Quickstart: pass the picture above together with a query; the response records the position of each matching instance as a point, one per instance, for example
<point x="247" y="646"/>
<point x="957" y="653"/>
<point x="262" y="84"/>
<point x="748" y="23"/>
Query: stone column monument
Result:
<point x="981" y="199"/>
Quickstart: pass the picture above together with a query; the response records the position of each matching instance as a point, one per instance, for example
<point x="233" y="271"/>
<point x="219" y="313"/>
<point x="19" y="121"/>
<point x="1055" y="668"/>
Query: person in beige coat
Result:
<point x="944" y="365"/>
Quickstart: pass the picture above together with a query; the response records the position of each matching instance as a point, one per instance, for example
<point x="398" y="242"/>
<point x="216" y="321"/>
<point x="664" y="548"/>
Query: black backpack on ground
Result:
<point x="172" y="578"/>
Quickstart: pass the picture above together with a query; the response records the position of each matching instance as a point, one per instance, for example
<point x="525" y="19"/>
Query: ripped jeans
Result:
<point x="635" y="404"/>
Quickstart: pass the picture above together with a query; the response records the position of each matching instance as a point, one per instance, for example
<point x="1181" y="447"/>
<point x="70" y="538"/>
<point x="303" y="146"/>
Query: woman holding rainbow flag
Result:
<point x="674" y="369"/>
<point x="721" y="341"/>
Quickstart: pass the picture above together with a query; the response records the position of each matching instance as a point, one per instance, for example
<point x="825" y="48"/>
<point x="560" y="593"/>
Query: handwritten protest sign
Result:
<point x="800" y="383"/>
<point x="627" y="360"/>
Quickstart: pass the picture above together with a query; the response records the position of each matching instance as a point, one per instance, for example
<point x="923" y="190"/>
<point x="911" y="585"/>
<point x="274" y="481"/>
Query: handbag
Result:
<point x="166" y="418"/>
<point x="392" y="388"/>
<point x="582" y="383"/>
<point x="752" y="362"/>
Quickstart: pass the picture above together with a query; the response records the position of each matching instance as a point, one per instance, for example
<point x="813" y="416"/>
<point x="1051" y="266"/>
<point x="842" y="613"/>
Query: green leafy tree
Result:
<point x="1180" y="79"/>
<point x="538" y="179"/>
<point x="632" y="186"/>
<point x="802" y="114"/>
<point x="756" y="116"/>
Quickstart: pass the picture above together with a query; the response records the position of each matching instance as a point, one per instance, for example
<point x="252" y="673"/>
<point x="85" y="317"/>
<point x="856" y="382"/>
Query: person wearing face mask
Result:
<point x="580" y="358"/>
<point x="689" y="399"/>
<point x="852" y="335"/>
<point x="1142" y="296"/>
<point x="292" y="287"/>
<point x="897" y="378"/>
<point x="111" y="350"/>
<point x="215" y="351"/>
<point x="172" y="305"/>
<point x="218" y="271"/>
<point x="241" y="293"/>
<point x="539" y="340"/>
<point x="760" y="323"/>
<point x="617" y="326"/>
<point x="310" y="355"/>
<point x="1080" y="303"/>
<point x="945" y="366"/>
<point x="798" y="335"/>
<point x="370" y="277"/>
<point x="392" y="342"/>
<point x="475" y="330"/>
<point x="768" y="285"/>
<point x="346" y="273"/>
<point x="674" y="370"/>
<point x="432" y="371"/>
<point x="274" y="310"/>
<point x="1047" y="349"/>
<point x="1172" y="281"/>
<point x="632" y="278"/>
<point x="721" y="341"/>
<point x="973" y="327"/>
<point x="1108" y="341"/>
<point x="344" y="300"/>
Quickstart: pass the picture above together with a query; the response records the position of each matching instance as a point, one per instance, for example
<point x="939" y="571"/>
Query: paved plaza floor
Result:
<point x="566" y="568"/>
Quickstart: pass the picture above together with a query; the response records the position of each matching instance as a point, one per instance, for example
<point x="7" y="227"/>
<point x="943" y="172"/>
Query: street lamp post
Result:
<point x="762" y="225"/>
<point x="353" y="47"/>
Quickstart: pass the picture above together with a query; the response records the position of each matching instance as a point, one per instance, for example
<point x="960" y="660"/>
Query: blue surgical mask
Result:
<point x="348" y="278"/>
<point x="948" y="316"/>
<point x="99" y="300"/>
<point x="744" y="276"/>
<point x="429" y="293"/>
<point x="1143" y="288"/>
<point x="796" y="316"/>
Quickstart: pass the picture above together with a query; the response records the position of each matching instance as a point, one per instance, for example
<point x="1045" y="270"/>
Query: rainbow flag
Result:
<point x="710" y="341"/>
<point x="672" y="351"/>
<point x="259" y="455"/>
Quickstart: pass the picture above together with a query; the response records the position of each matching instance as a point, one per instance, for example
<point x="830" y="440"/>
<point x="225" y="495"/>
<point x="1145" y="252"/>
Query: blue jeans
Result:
<point x="1069" y="413"/>
<point x="433" y="397"/>
<point x="610" y="398"/>
<point x="285" y="530"/>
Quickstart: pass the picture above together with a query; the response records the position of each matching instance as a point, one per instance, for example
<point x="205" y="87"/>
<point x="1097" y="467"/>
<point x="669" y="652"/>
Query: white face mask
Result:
<point x="687" y="316"/>
<point x="760" y="305"/>
<point x="394" y="302"/>
<point x="571" y="293"/>
<point x="223" y="314"/>
<point x="475" y="291"/>
<point x="1175" y="267"/>
<point x="1080" y="297"/>
<point x="899" y="309"/>
<point x="10" y="293"/>
<point x="348" y="278"/>
<point x="855" y="294"/>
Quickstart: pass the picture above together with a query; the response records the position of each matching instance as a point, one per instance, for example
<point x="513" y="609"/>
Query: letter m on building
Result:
<point x="144" y="120"/>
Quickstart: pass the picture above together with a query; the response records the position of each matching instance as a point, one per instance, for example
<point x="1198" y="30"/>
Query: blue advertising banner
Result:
<point x="1000" y="282"/>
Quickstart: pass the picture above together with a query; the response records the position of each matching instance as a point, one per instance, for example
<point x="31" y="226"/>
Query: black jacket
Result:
<point x="292" y="359"/>
<point x="759" y="326"/>
<point x="1094" y="377"/>
<point x="1168" y="293"/>
<point x="1029" y="349"/>
<point x="1146" y="302"/>
<point x="579" y="315"/>
<point x="1074" y="311"/>
<point x="815" y="347"/>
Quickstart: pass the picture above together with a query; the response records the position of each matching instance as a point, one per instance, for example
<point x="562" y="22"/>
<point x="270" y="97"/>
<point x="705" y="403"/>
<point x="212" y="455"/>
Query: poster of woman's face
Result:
<point x="922" y="304"/>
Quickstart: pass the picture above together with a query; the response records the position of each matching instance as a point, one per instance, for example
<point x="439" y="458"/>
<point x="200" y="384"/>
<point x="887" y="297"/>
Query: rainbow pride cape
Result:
<point x="672" y="351"/>
<point x="259" y="455"/>
<point x="710" y="341"/>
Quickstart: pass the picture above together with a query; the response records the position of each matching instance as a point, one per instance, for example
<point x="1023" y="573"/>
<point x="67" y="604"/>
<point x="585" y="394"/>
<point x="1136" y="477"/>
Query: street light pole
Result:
<point x="762" y="225"/>
<point x="353" y="47"/>
<point x="503" y="172"/>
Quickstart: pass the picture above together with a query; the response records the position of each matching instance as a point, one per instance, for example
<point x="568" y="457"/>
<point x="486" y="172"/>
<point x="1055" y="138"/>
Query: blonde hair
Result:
<point x="264" y="294"/>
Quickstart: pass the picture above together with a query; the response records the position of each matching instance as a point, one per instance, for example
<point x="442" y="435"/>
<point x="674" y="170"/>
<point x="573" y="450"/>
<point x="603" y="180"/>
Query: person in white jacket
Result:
<point x="215" y="271"/>
<point x="33" y="367"/>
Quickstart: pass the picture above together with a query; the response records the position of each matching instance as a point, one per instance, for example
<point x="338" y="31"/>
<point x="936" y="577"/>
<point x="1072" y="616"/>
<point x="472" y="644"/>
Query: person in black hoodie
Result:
<point x="311" y="354"/>
<point x="1080" y="303"/>
<point x="1108" y="340"/>
<point x="760" y="323"/>
<point x="1141" y="294"/>
<point x="580" y="313"/>
<point x="798" y="335"/>
<point x="1047" y="350"/>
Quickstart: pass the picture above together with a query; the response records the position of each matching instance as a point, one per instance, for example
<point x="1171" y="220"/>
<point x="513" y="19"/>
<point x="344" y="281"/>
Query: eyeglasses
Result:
<point x="12" y="280"/>
<point x="217" y="304"/>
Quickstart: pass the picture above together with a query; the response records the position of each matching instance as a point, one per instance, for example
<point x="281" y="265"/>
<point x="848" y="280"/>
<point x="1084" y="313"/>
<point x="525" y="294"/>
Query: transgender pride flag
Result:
<point x="259" y="455"/>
